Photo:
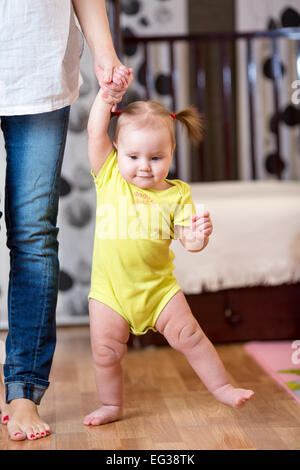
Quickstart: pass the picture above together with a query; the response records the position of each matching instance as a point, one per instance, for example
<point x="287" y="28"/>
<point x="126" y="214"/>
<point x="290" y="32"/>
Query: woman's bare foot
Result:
<point x="25" y="422"/>
<point x="4" y="408"/>
<point x="103" y="415"/>
<point x="235" y="397"/>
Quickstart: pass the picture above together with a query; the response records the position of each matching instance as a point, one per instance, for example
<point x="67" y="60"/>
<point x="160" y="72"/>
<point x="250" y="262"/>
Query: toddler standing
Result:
<point x="139" y="212"/>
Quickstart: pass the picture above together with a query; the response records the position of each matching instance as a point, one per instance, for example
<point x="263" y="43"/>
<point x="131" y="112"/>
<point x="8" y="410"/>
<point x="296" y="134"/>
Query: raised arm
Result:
<point x="93" y="20"/>
<point x="99" y="143"/>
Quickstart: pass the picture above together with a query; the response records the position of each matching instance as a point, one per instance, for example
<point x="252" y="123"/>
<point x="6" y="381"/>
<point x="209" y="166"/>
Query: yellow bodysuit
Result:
<point x="132" y="269"/>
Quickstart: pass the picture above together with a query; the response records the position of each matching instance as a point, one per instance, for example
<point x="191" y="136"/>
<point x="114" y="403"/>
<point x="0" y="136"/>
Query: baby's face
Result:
<point x="144" y="155"/>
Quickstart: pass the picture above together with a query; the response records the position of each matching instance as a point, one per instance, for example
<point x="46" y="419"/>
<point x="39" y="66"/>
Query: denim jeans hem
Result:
<point x="28" y="390"/>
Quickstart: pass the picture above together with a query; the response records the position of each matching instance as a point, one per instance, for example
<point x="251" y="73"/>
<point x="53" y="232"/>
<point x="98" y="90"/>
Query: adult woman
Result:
<point x="39" y="75"/>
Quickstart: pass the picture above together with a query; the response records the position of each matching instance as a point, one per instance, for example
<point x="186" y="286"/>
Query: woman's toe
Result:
<point x="5" y="418"/>
<point x="16" y="434"/>
<point x="43" y="431"/>
<point x="31" y="434"/>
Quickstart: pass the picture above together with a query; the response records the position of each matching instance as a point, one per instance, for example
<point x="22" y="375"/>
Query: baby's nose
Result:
<point x="145" y="166"/>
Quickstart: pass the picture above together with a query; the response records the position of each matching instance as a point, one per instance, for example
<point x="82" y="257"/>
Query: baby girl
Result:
<point x="139" y="212"/>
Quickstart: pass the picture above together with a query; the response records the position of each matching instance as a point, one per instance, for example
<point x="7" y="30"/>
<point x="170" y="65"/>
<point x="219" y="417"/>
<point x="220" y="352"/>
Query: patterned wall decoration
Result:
<point x="156" y="18"/>
<point x="267" y="15"/>
<point x="76" y="217"/>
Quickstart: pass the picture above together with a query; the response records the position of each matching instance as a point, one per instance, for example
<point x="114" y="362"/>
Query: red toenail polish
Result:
<point x="37" y="434"/>
<point x="32" y="435"/>
<point x="17" y="433"/>
<point x="42" y="433"/>
<point x="5" y="418"/>
<point x="47" y="432"/>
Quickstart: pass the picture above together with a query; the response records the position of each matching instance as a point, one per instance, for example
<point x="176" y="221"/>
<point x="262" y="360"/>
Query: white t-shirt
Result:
<point x="39" y="56"/>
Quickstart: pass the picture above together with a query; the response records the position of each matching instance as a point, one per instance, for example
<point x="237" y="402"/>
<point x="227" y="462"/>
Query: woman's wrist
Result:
<point x="108" y="51"/>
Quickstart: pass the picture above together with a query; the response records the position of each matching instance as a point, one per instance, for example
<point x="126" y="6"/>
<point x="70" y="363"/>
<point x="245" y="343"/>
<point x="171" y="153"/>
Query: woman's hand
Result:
<point x="112" y="75"/>
<point x="104" y="66"/>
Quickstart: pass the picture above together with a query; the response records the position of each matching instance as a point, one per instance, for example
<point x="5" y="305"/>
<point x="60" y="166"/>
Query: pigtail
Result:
<point x="193" y="121"/>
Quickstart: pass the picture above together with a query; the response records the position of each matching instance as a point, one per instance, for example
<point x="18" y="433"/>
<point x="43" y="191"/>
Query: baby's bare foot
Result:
<point x="25" y="422"/>
<point x="103" y="415"/>
<point x="235" y="397"/>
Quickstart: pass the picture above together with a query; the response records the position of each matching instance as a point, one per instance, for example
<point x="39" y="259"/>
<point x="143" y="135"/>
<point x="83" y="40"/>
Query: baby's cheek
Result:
<point x="126" y="172"/>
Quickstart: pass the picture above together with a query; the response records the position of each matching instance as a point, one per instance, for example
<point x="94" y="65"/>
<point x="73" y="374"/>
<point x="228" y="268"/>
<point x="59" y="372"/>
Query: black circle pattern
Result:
<point x="130" y="7"/>
<point x="290" y="116"/>
<point x="269" y="66"/>
<point x="65" y="187"/>
<point x="163" y="84"/>
<point x="129" y="49"/>
<point x="65" y="281"/>
<point x="271" y="164"/>
<point x="161" y="15"/>
<point x="290" y="18"/>
<point x="78" y="213"/>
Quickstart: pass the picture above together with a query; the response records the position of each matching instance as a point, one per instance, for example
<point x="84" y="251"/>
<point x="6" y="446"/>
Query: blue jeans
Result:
<point x="35" y="146"/>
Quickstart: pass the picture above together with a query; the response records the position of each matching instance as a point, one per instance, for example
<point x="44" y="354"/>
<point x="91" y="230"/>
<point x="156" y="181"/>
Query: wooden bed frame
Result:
<point x="250" y="313"/>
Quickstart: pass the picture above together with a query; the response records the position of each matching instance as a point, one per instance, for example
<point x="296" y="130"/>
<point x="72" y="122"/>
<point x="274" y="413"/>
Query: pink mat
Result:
<point x="281" y="360"/>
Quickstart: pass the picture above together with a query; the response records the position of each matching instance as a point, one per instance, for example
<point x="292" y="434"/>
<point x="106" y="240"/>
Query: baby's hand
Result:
<point x="202" y="226"/>
<point x="122" y="76"/>
<point x="113" y="92"/>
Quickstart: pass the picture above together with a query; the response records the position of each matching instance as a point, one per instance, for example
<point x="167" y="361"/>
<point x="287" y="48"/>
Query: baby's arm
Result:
<point x="196" y="237"/>
<point x="99" y="142"/>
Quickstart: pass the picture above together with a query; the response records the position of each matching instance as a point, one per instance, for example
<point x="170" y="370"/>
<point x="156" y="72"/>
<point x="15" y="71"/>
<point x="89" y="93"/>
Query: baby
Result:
<point x="139" y="212"/>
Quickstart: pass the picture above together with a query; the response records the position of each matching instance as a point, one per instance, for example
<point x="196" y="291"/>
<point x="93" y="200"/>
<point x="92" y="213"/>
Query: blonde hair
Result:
<point x="146" y="112"/>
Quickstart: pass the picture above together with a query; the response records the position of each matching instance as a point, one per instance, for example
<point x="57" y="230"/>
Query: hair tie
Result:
<point x="173" y="115"/>
<point x="117" y="113"/>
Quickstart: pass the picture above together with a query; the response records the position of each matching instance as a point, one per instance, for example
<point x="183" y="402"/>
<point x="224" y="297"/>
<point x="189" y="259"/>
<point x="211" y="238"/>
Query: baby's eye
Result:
<point x="133" y="157"/>
<point x="155" y="158"/>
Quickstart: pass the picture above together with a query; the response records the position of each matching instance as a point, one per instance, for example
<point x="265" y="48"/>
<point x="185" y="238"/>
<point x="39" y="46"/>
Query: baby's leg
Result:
<point x="178" y="325"/>
<point x="109" y="335"/>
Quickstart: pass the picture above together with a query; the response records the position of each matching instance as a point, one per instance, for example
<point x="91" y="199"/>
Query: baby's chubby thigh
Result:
<point x="178" y="325"/>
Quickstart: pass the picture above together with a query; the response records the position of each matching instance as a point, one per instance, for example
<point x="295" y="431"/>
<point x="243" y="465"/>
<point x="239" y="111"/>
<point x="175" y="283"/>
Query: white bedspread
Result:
<point x="256" y="237"/>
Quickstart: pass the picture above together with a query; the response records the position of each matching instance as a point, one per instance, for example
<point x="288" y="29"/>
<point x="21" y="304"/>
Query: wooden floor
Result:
<point x="166" y="405"/>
